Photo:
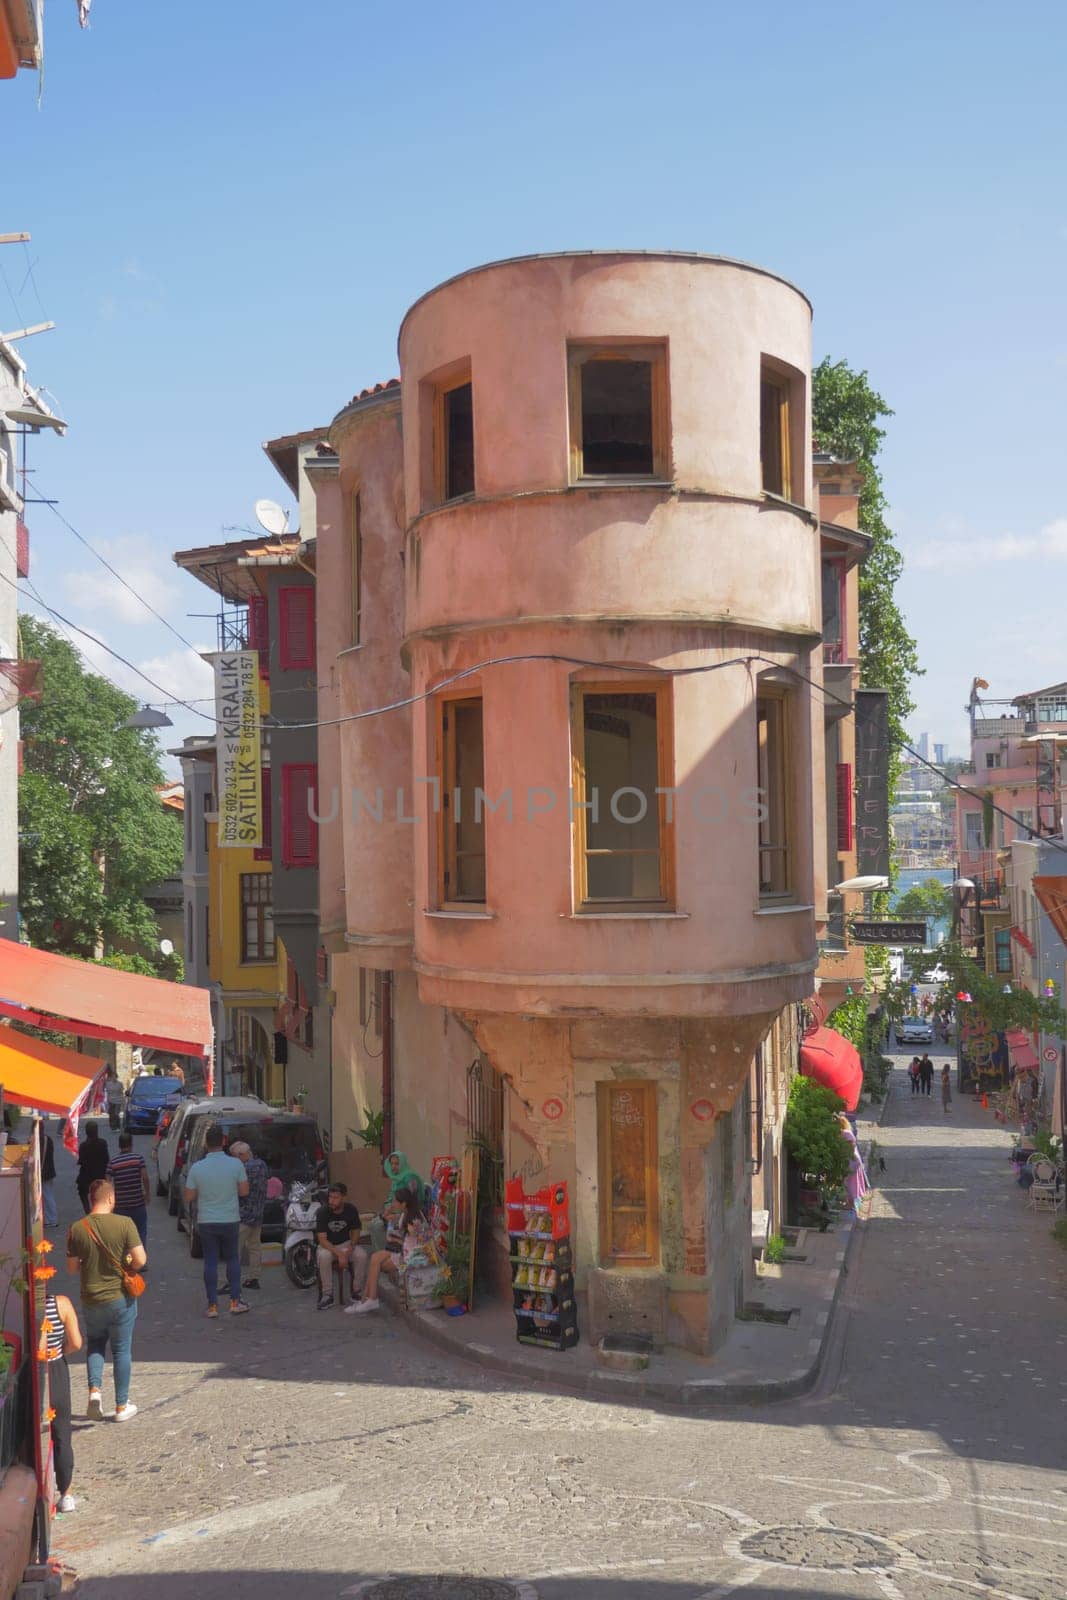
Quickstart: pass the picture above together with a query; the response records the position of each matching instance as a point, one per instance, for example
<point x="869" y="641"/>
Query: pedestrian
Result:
<point x="913" y="1074"/>
<point x="217" y="1183"/>
<point x="129" y="1174"/>
<point x="48" y="1181"/>
<point x="251" y="1213"/>
<point x="60" y="1337"/>
<point x="946" y="1088"/>
<point x="337" y="1231"/>
<point x="414" y="1233"/>
<point x="856" y="1183"/>
<point x="93" y="1157"/>
<point x="926" y="1073"/>
<point x="100" y="1248"/>
<point x="115" y="1095"/>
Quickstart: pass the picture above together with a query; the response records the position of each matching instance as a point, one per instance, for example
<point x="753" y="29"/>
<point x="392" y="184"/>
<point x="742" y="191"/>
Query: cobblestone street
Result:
<point x="295" y="1454"/>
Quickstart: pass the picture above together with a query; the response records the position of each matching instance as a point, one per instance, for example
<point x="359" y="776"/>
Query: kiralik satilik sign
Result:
<point x="237" y="748"/>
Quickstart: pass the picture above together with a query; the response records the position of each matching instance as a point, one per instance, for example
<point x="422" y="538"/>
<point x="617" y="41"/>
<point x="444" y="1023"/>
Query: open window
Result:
<point x="618" y="411"/>
<point x="775" y="786"/>
<point x="781" y="416"/>
<point x="622" y="766"/>
<point x="355" y="566"/>
<point x="628" y="1172"/>
<point x="461" y="845"/>
<point x="453" y="436"/>
<point x="834" y="643"/>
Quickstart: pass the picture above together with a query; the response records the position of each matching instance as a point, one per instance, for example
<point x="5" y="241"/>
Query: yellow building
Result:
<point x="244" y="961"/>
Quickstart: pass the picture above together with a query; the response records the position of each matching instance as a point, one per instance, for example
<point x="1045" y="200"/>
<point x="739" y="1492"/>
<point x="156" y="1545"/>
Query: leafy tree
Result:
<point x="930" y="901"/>
<point x="1017" y="1008"/>
<point x="93" y="835"/>
<point x="812" y="1133"/>
<point x="846" y="412"/>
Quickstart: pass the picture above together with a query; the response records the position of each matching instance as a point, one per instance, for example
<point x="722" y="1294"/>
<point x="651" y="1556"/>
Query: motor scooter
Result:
<point x="301" y="1208"/>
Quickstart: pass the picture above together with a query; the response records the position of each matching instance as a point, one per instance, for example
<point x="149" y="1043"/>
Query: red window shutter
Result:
<point x="22" y="549"/>
<point x="296" y="628"/>
<point x="300" y="834"/>
<point x="263" y="853"/>
<point x="258" y="631"/>
<point x="292" y="982"/>
<point x="844" y="805"/>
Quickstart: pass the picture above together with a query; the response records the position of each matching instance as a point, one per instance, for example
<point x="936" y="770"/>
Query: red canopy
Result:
<point x="80" y="997"/>
<point x="833" y="1061"/>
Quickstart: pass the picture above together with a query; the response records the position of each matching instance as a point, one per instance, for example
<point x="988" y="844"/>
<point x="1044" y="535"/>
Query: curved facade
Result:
<point x="657" y="603"/>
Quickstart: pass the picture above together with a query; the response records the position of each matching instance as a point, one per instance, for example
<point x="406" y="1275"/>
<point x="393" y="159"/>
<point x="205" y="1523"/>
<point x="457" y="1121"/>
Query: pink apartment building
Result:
<point x="573" y="882"/>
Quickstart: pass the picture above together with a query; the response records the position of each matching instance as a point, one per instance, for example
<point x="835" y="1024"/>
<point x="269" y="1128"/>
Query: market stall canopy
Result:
<point x="41" y="1075"/>
<point x="833" y="1061"/>
<point x="81" y="997"/>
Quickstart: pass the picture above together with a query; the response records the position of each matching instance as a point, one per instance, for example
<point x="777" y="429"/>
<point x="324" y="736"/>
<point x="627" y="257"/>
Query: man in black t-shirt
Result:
<point x="337" y="1231"/>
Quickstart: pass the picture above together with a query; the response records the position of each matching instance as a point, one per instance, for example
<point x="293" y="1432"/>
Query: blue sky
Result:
<point x="233" y="205"/>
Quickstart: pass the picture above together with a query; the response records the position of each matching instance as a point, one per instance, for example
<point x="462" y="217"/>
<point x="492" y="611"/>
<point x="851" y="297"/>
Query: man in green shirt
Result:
<point x="99" y="1248"/>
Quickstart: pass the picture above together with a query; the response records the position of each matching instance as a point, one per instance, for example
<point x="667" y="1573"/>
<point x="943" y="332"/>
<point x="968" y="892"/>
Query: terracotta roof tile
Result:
<point x="378" y="388"/>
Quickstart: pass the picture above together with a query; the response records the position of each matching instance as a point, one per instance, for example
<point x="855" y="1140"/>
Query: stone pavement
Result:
<point x="295" y="1454"/>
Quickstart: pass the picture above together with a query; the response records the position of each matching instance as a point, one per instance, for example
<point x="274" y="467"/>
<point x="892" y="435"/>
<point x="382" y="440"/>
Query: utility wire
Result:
<point x="104" y="562"/>
<point x="58" y="615"/>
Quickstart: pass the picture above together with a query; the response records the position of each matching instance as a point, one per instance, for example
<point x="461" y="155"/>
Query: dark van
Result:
<point x="287" y="1141"/>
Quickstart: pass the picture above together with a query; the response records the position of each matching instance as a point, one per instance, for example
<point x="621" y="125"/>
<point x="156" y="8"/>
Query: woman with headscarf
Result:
<point x="403" y="1179"/>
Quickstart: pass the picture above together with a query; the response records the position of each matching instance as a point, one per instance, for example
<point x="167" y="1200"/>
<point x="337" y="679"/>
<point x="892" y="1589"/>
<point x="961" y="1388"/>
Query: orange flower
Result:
<point x="46" y="1325"/>
<point x="43" y="1247"/>
<point x="42" y="1274"/>
<point x="50" y="1414"/>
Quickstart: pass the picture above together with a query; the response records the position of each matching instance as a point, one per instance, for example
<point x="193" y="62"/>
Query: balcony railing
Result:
<point x="233" y="630"/>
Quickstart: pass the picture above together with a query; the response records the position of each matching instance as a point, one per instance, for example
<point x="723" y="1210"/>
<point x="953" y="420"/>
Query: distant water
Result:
<point x="910" y="878"/>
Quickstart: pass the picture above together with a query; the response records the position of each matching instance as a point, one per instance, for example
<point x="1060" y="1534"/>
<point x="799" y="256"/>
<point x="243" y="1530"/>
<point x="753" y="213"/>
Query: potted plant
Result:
<point x="813" y="1139"/>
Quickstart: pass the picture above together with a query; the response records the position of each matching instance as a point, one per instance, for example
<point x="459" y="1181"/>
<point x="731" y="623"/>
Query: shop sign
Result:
<point x="889" y="933"/>
<point x="552" y="1109"/>
<point x="702" y="1111"/>
<point x="237" y="748"/>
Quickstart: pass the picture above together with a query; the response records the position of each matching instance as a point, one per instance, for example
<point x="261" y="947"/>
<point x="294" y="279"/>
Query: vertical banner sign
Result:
<point x="872" y="782"/>
<point x="237" y="748"/>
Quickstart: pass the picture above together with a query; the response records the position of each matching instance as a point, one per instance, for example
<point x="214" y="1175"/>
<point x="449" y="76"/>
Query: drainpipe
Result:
<point x="387" y="1062"/>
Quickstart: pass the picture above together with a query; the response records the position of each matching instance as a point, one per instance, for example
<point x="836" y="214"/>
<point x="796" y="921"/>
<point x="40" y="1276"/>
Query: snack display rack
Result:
<point x="542" y="1266"/>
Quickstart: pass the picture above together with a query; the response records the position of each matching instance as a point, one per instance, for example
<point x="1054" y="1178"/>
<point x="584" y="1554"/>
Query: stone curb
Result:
<point x="695" y="1393"/>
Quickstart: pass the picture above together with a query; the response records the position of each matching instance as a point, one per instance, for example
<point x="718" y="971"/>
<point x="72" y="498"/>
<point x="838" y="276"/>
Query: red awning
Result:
<point x="80" y="997"/>
<point x="833" y="1061"/>
<point x="42" y="1075"/>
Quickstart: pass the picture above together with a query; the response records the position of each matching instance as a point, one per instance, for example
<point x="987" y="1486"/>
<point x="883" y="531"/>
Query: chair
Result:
<point x="1046" y="1191"/>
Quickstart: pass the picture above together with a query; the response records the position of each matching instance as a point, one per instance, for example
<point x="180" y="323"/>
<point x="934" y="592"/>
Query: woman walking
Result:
<point x="856" y="1183"/>
<point x="60" y="1337"/>
<point x="913" y="1074"/>
<point x="946" y="1088"/>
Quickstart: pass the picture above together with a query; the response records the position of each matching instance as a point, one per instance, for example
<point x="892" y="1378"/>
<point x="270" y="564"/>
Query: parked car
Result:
<point x="146" y="1099"/>
<point x="937" y="974"/>
<point x="173" y="1146"/>
<point x="915" y="1030"/>
<point x="287" y="1141"/>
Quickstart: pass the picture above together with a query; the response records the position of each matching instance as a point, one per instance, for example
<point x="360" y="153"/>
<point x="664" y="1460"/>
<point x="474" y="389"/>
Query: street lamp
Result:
<point x="148" y="717"/>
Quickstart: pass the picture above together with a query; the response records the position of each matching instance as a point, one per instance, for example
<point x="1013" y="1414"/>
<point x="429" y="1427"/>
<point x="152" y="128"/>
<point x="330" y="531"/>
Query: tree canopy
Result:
<point x="931" y="901"/>
<point x="93" y="834"/>
<point x="846" y="413"/>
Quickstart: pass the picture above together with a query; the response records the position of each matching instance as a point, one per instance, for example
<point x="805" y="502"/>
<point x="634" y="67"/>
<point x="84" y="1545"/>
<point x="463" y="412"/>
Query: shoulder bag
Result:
<point x="132" y="1282"/>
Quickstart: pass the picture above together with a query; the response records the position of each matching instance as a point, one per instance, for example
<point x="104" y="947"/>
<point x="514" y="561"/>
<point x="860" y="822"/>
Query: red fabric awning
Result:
<point x="833" y="1061"/>
<point x="1021" y="1046"/>
<point x="44" y="1076"/>
<point x="53" y="991"/>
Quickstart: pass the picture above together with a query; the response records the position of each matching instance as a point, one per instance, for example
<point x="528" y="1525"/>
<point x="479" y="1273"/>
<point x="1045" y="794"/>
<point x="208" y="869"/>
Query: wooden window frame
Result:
<point x="651" y="1255"/>
<point x="355" y="558"/>
<point x="664" y="771"/>
<point x="654" y="351"/>
<point x="297" y="777"/>
<point x="261" y="907"/>
<point x="779" y="696"/>
<point x="458" y="378"/>
<point x="836" y="652"/>
<point x="789" y="387"/>
<point x="445" y="767"/>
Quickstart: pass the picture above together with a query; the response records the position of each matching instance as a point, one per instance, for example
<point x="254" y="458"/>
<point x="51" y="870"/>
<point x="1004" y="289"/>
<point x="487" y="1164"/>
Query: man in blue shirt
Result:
<point x="218" y="1184"/>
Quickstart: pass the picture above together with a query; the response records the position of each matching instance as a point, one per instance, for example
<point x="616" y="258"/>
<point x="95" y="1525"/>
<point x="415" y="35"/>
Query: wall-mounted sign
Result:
<point x="1051" y="1054"/>
<point x="237" y="748"/>
<point x="889" y="933"/>
<point x="872" y="782"/>
<point x="552" y="1109"/>
<point x="702" y="1111"/>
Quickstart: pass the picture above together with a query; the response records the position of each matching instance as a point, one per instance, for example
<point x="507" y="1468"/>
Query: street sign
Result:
<point x="888" y="933"/>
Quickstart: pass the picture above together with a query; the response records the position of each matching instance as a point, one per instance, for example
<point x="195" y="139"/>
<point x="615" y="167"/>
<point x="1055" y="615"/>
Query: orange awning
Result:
<point x="1052" y="896"/>
<point x="43" y="1075"/>
<point x="53" y="991"/>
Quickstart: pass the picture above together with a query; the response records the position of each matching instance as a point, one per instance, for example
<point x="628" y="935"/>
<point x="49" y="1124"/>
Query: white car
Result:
<point x="936" y="974"/>
<point x="914" y="1030"/>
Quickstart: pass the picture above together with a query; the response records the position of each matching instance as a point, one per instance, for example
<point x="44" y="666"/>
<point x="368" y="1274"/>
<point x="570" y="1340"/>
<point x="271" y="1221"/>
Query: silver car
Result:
<point x="915" y="1030"/>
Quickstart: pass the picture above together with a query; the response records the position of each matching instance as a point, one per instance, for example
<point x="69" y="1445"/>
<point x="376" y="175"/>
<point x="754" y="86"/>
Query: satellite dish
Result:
<point x="166" y="947"/>
<point x="270" y="515"/>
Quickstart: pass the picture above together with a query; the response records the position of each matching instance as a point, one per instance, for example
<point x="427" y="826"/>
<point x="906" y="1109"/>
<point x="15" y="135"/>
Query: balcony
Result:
<point x="233" y="630"/>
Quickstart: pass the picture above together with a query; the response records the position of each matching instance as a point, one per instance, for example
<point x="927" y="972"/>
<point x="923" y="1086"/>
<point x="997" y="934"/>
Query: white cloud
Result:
<point x="103" y="594"/>
<point x="180" y="674"/>
<point x="959" y="555"/>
